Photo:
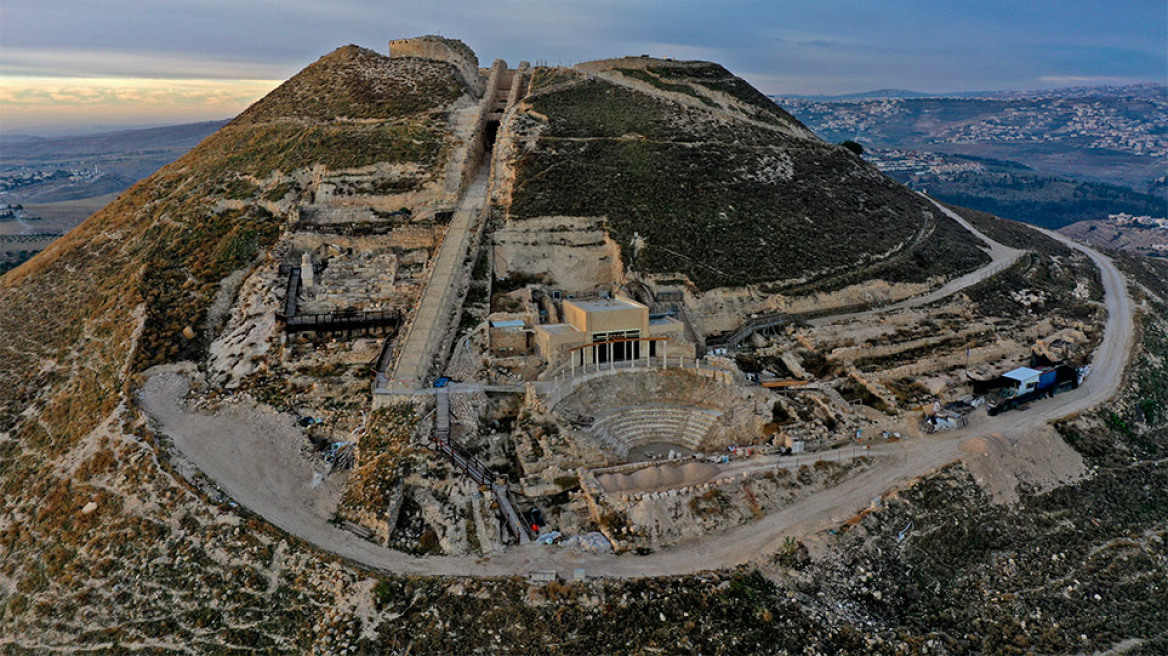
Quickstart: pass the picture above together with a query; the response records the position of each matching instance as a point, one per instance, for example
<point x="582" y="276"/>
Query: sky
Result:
<point x="70" y="65"/>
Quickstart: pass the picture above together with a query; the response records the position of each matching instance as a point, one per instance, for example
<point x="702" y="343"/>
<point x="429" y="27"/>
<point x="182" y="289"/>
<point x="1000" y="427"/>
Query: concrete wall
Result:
<point x="553" y="345"/>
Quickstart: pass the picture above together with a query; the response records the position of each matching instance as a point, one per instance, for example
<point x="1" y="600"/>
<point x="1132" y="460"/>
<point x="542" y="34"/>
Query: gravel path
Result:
<point x="254" y="455"/>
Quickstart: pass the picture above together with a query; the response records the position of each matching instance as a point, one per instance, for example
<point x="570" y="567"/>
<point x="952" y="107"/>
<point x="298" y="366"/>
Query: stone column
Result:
<point x="307" y="276"/>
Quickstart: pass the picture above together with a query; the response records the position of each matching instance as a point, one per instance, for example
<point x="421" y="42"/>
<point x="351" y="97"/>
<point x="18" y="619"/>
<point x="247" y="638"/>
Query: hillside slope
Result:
<point x="131" y="288"/>
<point x="723" y="186"/>
<point x="151" y="261"/>
<point x="105" y="546"/>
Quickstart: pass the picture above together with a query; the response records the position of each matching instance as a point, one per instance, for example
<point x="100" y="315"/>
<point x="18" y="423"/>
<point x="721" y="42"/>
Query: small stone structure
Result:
<point x="509" y="338"/>
<point x="307" y="276"/>
<point x="439" y="48"/>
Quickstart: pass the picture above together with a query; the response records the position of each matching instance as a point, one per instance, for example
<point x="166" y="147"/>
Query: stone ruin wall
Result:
<point x="721" y="310"/>
<point x="438" y="48"/>
<point x="574" y="254"/>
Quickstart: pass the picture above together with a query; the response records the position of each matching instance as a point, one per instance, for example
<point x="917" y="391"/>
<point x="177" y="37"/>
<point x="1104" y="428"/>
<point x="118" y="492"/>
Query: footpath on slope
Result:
<point x="233" y="448"/>
<point x="1001" y="258"/>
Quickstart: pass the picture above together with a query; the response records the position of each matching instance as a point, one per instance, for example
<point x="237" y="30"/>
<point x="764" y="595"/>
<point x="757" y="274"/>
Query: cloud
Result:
<point x="73" y="63"/>
<point x="782" y="45"/>
<point x="29" y="102"/>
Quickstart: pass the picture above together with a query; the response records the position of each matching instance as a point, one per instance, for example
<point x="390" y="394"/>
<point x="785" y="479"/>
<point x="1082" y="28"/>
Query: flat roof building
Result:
<point x="604" y="330"/>
<point x="1026" y="378"/>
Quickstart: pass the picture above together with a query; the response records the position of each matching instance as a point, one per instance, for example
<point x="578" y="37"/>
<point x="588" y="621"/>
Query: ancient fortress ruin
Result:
<point x="558" y="386"/>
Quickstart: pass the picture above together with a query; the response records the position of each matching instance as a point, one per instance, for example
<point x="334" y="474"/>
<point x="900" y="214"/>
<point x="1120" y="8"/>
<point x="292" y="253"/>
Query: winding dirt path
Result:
<point x="253" y="455"/>
<point x="1001" y="258"/>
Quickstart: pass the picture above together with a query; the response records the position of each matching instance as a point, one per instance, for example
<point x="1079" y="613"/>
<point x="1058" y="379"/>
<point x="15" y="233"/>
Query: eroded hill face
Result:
<point x="104" y="544"/>
<point x="723" y="187"/>
<point x="134" y="284"/>
<point x="355" y="124"/>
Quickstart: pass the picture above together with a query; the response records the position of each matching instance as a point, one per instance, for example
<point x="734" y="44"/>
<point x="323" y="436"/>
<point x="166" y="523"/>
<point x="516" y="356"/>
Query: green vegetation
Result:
<point x="715" y="77"/>
<point x="385" y="458"/>
<point x="356" y="83"/>
<point x="257" y="150"/>
<point x="9" y="260"/>
<point x="1043" y="201"/>
<point x="543" y="77"/>
<point x="700" y="215"/>
<point x="240" y="189"/>
<point x="1134" y="428"/>
<point x="599" y="109"/>
<point x="714" y="503"/>
<point x="1012" y="233"/>
<point x="1038" y="274"/>
<point x="657" y="81"/>
<point x="853" y="146"/>
<point x="946" y="250"/>
<point x="183" y="274"/>
<point x="277" y="193"/>
<point x="725" y="205"/>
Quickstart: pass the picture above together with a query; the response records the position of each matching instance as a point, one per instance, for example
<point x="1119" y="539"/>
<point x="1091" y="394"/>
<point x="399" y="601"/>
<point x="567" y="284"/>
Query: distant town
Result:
<point x="22" y="178"/>
<point x="1122" y="219"/>
<point x="1050" y="158"/>
<point x="1127" y="119"/>
<point x="916" y="162"/>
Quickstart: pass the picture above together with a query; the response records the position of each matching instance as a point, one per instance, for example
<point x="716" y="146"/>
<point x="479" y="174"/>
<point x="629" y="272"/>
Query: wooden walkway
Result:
<point x="473" y="467"/>
<point x="343" y="321"/>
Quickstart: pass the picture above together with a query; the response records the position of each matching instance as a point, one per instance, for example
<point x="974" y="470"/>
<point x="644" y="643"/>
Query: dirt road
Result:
<point x="254" y="456"/>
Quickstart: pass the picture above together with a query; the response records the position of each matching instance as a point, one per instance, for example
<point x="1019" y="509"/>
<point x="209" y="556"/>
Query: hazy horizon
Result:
<point x="128" y="63"/>
<point x="54" y="131"/>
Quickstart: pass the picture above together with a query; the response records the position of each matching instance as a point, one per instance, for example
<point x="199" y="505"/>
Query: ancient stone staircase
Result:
<point x="474" y="468"/>
<point x="438" y="312"/>
<point x="431" y="320"/>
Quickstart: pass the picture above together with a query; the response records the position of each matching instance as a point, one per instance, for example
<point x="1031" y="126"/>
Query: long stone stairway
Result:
<point x="431" y="321"/>
<point x="438" y="312"/>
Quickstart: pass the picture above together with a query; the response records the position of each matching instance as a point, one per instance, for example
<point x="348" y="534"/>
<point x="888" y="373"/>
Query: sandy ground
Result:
<point x="1039" y="461"/>
<point x="254" y="452"/>
<point x="247" y="453"/>
<point x="660" y="477"/>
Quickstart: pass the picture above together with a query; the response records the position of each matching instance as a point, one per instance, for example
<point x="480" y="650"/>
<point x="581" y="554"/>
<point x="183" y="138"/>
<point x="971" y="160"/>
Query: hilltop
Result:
<point x="281" y="393"/>
<point x="722" y="186"/>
